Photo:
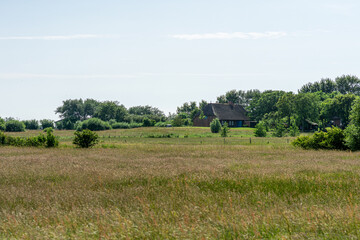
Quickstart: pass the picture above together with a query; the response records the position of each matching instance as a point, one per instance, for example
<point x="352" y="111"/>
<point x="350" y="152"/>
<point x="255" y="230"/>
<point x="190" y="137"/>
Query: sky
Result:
<point x="164" y="53"/>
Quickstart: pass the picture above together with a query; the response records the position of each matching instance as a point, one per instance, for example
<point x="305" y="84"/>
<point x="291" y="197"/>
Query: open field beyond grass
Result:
<point x="197" y="187"/>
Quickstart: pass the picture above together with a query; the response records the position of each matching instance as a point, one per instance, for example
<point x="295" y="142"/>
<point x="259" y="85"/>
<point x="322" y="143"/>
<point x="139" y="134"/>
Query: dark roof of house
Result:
<point x="225" y="111"/>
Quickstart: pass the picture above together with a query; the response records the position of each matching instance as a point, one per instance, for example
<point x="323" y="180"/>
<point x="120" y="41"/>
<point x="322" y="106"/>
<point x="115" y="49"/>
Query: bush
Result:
<point x="334" y="138"/>
<point x="120" y="125"/>
<point x="352" y="139"/>
<point x="31" y="124"/>
<point x="260" y="130"/>
<point x="38" y="141"/>
<point x="47" y="123"/>
<point x="85" y="138"/>
<point x="148" y="122"/>
<point x="94" y="124"/>
<point x="2" y="126"/>
<point x="225" y="130"/>
<point x="14" y="126"/>
<point x="293" y="129"/>
<point x="352" y="132"/>
<point x="64" y="125"/>
<point x="279" y="130"/>
<point x="215" y="126"/>
<point x="51" y="140"/>
<point x="178" y="121"/>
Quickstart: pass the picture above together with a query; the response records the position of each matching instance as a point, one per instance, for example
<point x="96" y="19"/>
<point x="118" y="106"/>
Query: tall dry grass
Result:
<point x="179" y="191"/>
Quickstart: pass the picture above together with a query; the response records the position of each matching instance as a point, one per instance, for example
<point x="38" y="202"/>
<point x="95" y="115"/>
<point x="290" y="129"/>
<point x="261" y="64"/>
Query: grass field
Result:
<point x="192" y="185"/>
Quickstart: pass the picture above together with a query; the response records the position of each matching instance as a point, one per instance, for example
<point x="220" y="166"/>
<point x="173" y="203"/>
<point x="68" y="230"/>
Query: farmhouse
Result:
<point x="233" y="114"/>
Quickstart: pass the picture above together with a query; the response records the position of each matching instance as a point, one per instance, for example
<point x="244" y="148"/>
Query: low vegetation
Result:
<point x="194" y="187"/>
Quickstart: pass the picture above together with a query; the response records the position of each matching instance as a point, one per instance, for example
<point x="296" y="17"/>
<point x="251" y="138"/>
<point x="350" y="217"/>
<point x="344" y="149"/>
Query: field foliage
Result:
<point x="191" y="185"/>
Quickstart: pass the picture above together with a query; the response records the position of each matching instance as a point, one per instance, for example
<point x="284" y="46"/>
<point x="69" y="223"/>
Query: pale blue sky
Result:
<point x="164" y="53"/>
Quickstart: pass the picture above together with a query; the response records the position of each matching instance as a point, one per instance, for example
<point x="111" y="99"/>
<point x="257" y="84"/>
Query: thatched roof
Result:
<point x="225" y="111"/>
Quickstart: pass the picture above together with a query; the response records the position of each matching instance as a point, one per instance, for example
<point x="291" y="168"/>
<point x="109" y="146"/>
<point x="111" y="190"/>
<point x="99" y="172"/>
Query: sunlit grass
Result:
<point x="178" y="188"/>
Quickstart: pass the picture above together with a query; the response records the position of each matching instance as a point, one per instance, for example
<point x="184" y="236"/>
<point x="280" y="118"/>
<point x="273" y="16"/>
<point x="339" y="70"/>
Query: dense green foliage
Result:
<point x="333" y="138"/>
<point x="77" y="110"/>
<point x="224" y="132"/>
<point x="352" y="132"/>
<point x="215" y="126"/>
<point x="47" y="123"/>
<point x="94" y="124"/>
<point x="14" y="126"/>
<point x="31" y="124"/>
<point x="36" y="141"/>
<point x="260" y="130"/>
<point x="85" y="138"/>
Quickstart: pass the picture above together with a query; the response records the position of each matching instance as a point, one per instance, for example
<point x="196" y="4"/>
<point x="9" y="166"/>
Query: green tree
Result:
<point x="286" y="106"/>
<point x="111" y="110"/>
<point x="47" y="123"/>
<point x="260" y="130"/>
<point x="14" y="126"/>
<point x="31" y="124"/>
<point x="215" y="126"/>
<point x="352" y="132"/>
<point x="224" y="130"/>
<point x="264" y="103"/>
<point x="307" y="107"/>
<point x="339" y="106"/>
<point x="72" y="110"/>
<point x="348" y="84"/>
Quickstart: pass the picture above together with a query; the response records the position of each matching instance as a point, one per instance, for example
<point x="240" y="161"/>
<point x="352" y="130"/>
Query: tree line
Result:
<point x="317" y="102"/>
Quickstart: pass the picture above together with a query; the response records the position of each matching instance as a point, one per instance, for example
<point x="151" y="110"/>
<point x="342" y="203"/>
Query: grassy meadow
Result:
<point x="143" y="184"/>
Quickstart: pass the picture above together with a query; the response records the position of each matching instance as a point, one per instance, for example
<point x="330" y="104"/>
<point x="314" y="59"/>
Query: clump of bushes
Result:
<point x="333" y="138"/>
<point x="31" y="124"/>
<point x="85" y="138"/>
<point x="215" y="126"/>
<point x="47" y="123"/>
<point x="260" y="130"/>
<point x="125" y="125"/>
<point x="2" y="124"/>
<point x="38" y="141"/>
<point x="14" y="126"/>
<point x="93" y="124"/>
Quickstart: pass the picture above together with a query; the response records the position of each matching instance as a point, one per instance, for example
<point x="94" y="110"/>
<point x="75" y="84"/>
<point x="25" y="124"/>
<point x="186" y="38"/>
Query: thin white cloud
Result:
<point x="233" y="35"/>
<point x="55" y="37"/>
<point x="8" y="76"/>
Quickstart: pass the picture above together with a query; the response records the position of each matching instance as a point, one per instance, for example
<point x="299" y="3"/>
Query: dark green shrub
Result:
<point x="279" y="130"/>
<point x="352" y="133"/>
<point x="2" y="138"/>
<point x="225" y="130"/>
<point x="178" y="121"/>
<point x="95" y="124"/>
<point x="85" y="138"/>
<point x="120" y="125"/>
<point x="260" y="130"/>
<point x="2" y="126"/>
<point x="51" y="140"/>
<point x="334" y="138"/>
<point x="293" y="129"/>
<point x="31" y="124"/>
<point x="14" y="126"/>
<point x="148" y="122"/>
<point x="215" y="126"/>
<point x="65" y="125"/>
<point x="47" y="123"/>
